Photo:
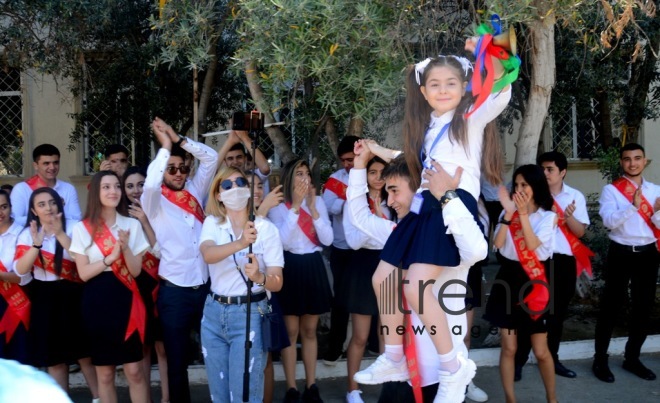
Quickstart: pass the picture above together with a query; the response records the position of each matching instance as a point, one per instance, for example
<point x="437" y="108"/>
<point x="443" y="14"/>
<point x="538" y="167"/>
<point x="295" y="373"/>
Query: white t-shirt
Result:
<point x="225" y="278"/>
<point x="82" y="243"/>
<point x="49" y="245"/>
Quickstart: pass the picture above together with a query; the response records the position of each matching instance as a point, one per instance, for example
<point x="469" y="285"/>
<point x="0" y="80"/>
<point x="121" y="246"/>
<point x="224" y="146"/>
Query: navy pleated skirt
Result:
<point x="306" y="289"/>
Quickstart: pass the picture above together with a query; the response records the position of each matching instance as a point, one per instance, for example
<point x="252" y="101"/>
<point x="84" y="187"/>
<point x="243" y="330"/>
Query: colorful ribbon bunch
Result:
<point x="481" y="86"/>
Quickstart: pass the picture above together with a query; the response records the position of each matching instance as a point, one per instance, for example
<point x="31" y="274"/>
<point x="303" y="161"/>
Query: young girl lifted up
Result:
<point x="435" y="129"/>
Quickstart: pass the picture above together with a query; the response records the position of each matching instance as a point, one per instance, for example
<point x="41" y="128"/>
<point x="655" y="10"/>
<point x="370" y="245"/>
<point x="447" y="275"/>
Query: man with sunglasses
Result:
<point x="173" y="205"/>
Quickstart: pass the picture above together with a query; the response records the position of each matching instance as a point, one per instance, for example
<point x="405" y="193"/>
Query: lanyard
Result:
<point x="422" y="156"/>
<point x="236" y="262"/>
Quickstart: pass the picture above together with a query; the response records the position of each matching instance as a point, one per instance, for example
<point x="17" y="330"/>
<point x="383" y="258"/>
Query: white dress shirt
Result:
<point x="451" y="154"/>
<point x="292" y="236"/>
<point x="20" y="201"/>
<point x="176" y="230"/>
<point x="335" y="207"/>
<point x="565" y="197"/>
<point x="225" y="279"/>
<point x="49" y="245"/>
<point x="8" y="250"/>
<point x="357" y="239"/>
<point x="543" y="225"/>
<point x="626" y="225"/>
<point x="83" y="244"/>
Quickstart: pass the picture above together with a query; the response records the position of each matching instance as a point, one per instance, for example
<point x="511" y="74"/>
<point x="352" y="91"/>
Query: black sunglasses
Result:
<point x="228" y="183"/>
<point x="184" y="169"/>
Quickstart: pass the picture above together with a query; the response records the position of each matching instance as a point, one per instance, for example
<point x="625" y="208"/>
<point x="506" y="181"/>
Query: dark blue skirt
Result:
<point x="423" y="238"/>
<point x="306" y="289"/>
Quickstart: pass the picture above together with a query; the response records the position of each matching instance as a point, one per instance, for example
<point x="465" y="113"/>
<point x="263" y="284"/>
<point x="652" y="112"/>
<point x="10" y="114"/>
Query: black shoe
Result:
<point x="637" y="368"/>
<point x="602" y="370"/>
<point x="561" y="370"/>
<point x="517" y="374"/>
<point x="311" y="395"/>
<point x="292" y="396"/>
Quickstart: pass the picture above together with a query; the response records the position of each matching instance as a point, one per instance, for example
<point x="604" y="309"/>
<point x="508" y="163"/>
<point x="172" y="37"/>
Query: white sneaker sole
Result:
<point x="388" y="378"/>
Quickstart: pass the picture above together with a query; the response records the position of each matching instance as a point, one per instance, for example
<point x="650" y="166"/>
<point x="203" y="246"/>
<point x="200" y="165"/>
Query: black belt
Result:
<point x="237" y="300"/>
<point x="634" y="248"/>
<point x="168" y="283"/>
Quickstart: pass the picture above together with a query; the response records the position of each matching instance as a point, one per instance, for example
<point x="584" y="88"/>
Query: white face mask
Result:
<point x="235" y="198"/>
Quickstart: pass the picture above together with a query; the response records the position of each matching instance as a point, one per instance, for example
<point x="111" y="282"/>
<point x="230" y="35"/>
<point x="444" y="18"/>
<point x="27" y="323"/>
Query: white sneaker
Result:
<point x="476" y="394"/>
<point x="354" y="397"/>
<point x="383" y="370"/>
<point x="452" y="386"/>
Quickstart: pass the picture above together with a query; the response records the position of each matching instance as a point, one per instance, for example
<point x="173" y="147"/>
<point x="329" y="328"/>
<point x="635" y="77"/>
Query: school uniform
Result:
<point x="504" y="308"/>
<point x="632" y="260"/>
<point x="306" y="289"/>
<point x="471" y="244"/>
<point x="223" y="328"/>
<point x="20" y="200"/>
<point x="16" y="348"/>
<point x="562" y="275"/>
<point x="148" y="283"/>
<point x="107" y="301"/>
<point x="355" y="294"/>
<point x="341" y="257"/>
<point x="417" y="238"/>
<point x="184" y="275"/>
<point x="56" y="334"/>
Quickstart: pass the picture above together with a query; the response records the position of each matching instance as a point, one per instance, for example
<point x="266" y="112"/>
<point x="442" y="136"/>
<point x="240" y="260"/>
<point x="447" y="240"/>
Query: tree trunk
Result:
<point x="542" y="57"/>
<point x="282" y="147"/>
<point x="331" y="135"/>
<point x="641" y="75"/>
<point x="207" y="88"/>
<point x="355" y="127"/>
<point x="604" y="123"/>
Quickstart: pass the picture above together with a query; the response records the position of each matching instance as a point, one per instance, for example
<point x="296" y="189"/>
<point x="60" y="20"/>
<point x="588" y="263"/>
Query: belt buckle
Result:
<point x="634" y="249"/>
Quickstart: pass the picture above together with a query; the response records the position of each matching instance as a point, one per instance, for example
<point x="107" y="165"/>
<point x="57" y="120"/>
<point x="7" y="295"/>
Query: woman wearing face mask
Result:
<point x="56" y="329"/>
<point x="304" y="228"/>
<point x="148" y="280"/>
<point x="224" y="241"/>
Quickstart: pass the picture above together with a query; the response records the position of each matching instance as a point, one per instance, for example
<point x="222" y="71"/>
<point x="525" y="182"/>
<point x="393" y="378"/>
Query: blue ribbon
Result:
<point x="422" y="157"/>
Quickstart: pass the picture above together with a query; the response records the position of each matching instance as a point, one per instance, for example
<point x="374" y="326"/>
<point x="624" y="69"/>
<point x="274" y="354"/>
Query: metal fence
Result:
<point x="11" y="122"/>
<point x="575" y="134"/>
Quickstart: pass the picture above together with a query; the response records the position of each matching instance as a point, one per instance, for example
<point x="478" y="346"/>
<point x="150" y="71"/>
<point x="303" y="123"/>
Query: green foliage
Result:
<point x="345" y="48"/>
<point x="608" y="162"/>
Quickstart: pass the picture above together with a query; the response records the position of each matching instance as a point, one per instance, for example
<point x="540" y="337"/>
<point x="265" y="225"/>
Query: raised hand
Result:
<point x="135" y="211"/>
<point x="637" y="197"/>
<point x="505" y="200"/>
<point x="471" y="44"/>
<point x="362" y="154"/>
<point x="36" y="233"/>
<point x="656" y="204"/>
<point x="123" y="239"/>
<point x="114" y="255"/>
<point x="105" y="165"/>
<point x="54" y="225"/>
<point x="569" y="210"/>
<point x="521" y="199"/>
<point x="310" y="198"/>
<point x="159" y="129"/>
<point x="378" y="209"/>
<point x="300" y="189"/>
<point x="272" y="199"/>
<point x="249" y="235"/>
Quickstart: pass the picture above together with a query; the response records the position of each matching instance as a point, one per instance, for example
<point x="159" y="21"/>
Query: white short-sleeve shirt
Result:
<point x="225" y="278"/>
<point x="82" y="243"/>
<point x="49" y="245"/>
<point x="543" y="224"/>
<point x="8" y="250"/>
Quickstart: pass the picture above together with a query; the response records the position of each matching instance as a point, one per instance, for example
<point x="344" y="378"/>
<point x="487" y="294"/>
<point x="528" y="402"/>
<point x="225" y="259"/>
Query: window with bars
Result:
<point x="575" y="132"/>
<point x="11" y="122"/>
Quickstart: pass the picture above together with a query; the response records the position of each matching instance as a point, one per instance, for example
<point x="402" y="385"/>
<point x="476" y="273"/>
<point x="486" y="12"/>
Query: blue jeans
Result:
<point x="223" y="343"/>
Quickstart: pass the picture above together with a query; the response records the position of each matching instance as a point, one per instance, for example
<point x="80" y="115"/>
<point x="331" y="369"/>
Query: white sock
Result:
<point x="449" y="362"/>
<point x="394" y="352"/>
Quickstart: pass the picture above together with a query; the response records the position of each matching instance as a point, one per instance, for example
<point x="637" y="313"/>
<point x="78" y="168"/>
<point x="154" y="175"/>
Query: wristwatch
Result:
<point x="264" y="283"/>
<point x="181" y="140"/>
<point x="449" y="195"/>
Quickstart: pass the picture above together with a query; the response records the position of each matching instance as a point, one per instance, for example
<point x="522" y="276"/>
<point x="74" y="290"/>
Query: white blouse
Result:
<point x="49" y="245"/>
<point x="543" y="224"/>
<point x="293" y="238"/>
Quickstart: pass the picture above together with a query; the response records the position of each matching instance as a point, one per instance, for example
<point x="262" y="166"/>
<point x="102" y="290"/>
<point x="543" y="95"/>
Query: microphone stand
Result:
<point x="256" y="126"/>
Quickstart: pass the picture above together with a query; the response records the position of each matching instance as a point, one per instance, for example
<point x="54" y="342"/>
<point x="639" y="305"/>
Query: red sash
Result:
<point x="69" y="269"/>
<point x="36" y="182"/>
<point x="18" y="307"/>
<point x="537" y="300"/>
<point x="185" y="200"/>
<point x="372" y="207"/>
<point x="337" y="187"/>
<point x="306" y="224"/>
<point x="581" y="252"/>
<point x="150" y="265"/>
<point x="410" y="350"/>
<point x="627" y="189"/>
<point x="105" y="241"/>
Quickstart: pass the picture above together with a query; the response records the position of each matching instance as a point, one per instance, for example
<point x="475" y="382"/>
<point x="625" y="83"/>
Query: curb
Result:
<point x="486" y="357"/>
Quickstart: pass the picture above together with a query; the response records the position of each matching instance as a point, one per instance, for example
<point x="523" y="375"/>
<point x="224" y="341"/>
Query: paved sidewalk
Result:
<point x="583" y="389"/>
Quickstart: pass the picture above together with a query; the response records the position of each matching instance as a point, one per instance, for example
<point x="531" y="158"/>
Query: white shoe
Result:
<point x="476" y="394"/>
<point x="452" y="386"/>
<point x="354" y="397"/>
<point x="383" y="370"/>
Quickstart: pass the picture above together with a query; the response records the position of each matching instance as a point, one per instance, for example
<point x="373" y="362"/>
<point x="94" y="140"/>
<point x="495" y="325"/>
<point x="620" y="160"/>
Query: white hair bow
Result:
<point x="421" y="66"/>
